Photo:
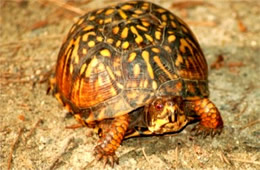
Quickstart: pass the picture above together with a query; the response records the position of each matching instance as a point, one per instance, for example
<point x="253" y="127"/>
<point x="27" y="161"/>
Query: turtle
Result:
<point x="134" y="69"/>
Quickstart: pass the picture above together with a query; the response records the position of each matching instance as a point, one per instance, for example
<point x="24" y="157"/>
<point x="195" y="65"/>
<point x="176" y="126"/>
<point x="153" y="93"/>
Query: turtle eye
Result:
<point x="159" y="106"/>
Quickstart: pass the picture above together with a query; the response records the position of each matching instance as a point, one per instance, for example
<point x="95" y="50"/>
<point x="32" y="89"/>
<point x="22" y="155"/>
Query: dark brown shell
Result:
<point x="118" y="58"/>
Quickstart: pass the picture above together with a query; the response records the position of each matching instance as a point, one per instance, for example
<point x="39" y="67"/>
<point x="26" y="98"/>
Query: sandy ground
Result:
<point x="32" y="124"/>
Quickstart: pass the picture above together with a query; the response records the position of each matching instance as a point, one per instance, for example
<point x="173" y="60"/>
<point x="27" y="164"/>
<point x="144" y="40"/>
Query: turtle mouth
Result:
<point x="171" y="120"/>
<point x="160" y="122"/>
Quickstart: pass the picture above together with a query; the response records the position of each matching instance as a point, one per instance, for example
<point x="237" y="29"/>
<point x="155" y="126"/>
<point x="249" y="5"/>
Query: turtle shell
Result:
<point x="119" y="58"/>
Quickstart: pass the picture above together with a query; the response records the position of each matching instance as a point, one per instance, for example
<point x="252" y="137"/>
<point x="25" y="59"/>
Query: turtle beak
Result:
<point x="171" y="113"/>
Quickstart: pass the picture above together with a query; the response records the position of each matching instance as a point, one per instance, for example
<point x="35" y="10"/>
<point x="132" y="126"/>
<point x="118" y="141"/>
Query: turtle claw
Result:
<point x="106" y="158"/>
<point x="202" y="131"/>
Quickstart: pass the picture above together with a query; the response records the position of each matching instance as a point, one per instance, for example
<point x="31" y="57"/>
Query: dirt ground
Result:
<point x="32" y="124"/>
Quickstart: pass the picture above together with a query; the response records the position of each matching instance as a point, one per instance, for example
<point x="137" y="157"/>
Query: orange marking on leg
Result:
<point x="210" y="118"/>
<point x="111" y="140"/>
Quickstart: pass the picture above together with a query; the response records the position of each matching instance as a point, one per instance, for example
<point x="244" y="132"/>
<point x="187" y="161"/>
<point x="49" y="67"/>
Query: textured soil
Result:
<point x="33" y="133"/>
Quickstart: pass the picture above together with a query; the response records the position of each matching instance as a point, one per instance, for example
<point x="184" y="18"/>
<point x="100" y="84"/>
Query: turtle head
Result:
<point x="165" y="115"/>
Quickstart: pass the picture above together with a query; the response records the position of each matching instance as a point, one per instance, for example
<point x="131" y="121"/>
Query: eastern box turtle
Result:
<point x="134" y="69"/>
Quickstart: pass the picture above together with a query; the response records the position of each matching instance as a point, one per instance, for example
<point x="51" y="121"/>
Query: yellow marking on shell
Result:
<point x="171" y="16"/>
<point x="135" y="15"/>
<point x="99" y="38"/>
<point x="173" y="24"/>
<point x="84" y="51"/>
<point x="138" y="11"/>
<point x="179" y="60"/>
<point x="164" y="23"/>
<point x="164" y="17"/>
<point x="110" y="40"/>
<point x="72" y="28"/>
<point x="156" y="50"/>
<point x="201" y="62"/>
<point x="99" y="11"/>
<point x="113" y="91"/>
<point x="122" y="14"/>
<point x="111" y="74"/>
<point x="92" y="18"/>
<point x="93" y="63"/>
<point x="80" y="21"/>
<point x="71" y="68"/>
<point x="171" y="38"/>
<point x="125" y="45"/>
<point x="195" y="64"/>
<point x="146" y="83"/>
<point x="150" y="38"/>
<point x="126" y="7"/>
<point x="85" y="36"/>
<point x="192" y="43"/>
<point x="82" y="69"/>
<point x="91" y="43"/>
<point x="145" y="6"/>
<point x="115" y="30"/>
<point x="124" y="33"/>
<point x="139" y="38"/>
<point x="187" y="63"/>
<point x="145" y="55"/>
<point x="158" y="35"/>
<point x="119" y="85"/>
<point x="118" y="43"/>
<point x="105" y="53"/>
<point x="88" y="27"/>
<point x="160" y="10"/>
<point x="154" y="85"/>
<point x="131" y="57"/>
<point x="159" y="63"/>
<point x="167" y="48"/>
<point x="100" y="81"/>
<point x="184" y="29"/>
<point x="65" y="64"/>
<point x="101" y="21"/>
<point x="141" y="28"/>
<point x="75" y="91"/>
<point x="75" y="55"/>
<point x="136" y="70"/>
<point x="145" y="23"/>
<point x="108" y="20"/>
<point x="183" y="44"/>
<point x="109" y="11"/>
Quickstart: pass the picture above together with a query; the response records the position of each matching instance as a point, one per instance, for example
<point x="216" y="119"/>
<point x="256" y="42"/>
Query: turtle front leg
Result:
<point x="111" y="138"/>
<point x="210" y="119"/>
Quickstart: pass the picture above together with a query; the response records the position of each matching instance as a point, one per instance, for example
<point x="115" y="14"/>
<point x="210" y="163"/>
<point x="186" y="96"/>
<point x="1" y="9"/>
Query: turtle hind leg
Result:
<point x="210" y="119"/>
<point x="111" y="139"/>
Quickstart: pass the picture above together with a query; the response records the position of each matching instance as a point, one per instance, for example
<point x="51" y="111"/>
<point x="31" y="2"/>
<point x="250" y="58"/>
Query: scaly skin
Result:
<point x="111" y="138"/>
<point x="210" y="119"/>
